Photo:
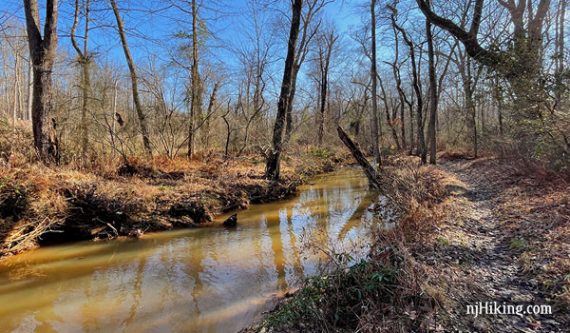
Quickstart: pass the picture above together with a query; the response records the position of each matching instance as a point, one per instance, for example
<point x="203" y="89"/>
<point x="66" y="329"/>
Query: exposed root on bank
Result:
<point x="41" y="205"/>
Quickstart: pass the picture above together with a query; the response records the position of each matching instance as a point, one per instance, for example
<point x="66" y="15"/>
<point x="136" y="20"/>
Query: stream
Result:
<point x="209" y="279"/>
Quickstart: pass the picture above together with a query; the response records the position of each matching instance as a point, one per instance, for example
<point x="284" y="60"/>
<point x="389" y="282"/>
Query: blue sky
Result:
<point x="151" y="23"/>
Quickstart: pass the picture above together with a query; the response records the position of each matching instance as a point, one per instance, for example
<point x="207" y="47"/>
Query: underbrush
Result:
<point x="418" y="193"/>
<point x="48" y="204"/>
<point x="359" y="297"/>
<point x="390" y="290"/>
<point x="384" y="293"/>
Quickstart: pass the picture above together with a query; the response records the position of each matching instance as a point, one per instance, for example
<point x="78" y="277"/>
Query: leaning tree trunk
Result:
<point x="369" y="171"/>
<point x="42" y="53"/>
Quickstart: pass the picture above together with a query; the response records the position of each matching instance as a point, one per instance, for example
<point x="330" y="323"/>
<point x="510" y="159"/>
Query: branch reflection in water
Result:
<point x="208" y="279"/>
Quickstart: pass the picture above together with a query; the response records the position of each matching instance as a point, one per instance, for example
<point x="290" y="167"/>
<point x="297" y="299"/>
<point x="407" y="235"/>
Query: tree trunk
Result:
<point x="468" y="88"/>
<point x="289" y="103"/>
<point x="422" y="152"/>
<point x="272" y="168"/>
<point x="42" y="53"/>
<point x="412" y="135"/>
<point x="325" y="52"/>
<point x="84" y="59"/>
<point x="30" y="88"/>
<point x="302" y="49"/>
<point x="401" y="94"/>
<point x="433" y="96"/>
<point x="209" y="112"/>
<point x="374" y="77"/>
<point x="196" y="87"/>
<point x="16" y="89"/>
<point x="228" y="131"/>
<point x="134" y="80"/>
<point x="86" y="88"/>
<point x="560" y="50"/>
<point x="369" y="171"/>
<point x="498" y="95"/>
<point x="389" y="119"/>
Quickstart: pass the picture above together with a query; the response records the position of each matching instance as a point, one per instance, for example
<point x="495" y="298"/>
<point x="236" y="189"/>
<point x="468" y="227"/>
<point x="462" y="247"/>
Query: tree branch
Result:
<point x="468" y="39"/>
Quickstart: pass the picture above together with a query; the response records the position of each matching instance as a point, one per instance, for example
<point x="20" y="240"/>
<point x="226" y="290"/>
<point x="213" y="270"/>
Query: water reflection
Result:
<point x="204" y="280"/>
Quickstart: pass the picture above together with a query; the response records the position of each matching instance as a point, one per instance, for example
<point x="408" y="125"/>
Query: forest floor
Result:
<point x="507" y="241"/>
<point x="489" y="232"/>
<point x="42" y="205"/>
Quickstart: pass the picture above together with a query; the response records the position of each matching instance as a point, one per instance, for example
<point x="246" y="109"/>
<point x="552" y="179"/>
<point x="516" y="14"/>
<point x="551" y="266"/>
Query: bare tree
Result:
<point x="255" y="61"/>
<point x="470" y="74"/>
<point x="84" y="60"/>
<point x="42" y="53"/>
<point x="325" y="47"/>
<point x="272" y="169"/>
<point x="209" y="112"/>
<point x="309" y="30"/>
<point x="560" y="51"/>
<point x="134" y="79"/>
<point x="521" y="65"/>
<point x="390" y="109"/>
<point x="421" y="149"/>
<point x="433" y="95"/>
<point x="376" y="131"/>
<point x="401" y="94"/>
<point x="196" y="83"/>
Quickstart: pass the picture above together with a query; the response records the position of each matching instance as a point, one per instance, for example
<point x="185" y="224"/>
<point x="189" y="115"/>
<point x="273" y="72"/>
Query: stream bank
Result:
<point x="472" y="231"/>
<point x="208" y="279"/>
<point x="44" y="206"/>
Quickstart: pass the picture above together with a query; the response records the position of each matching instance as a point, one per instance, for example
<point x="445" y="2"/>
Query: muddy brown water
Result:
<point x="201" y="280"/>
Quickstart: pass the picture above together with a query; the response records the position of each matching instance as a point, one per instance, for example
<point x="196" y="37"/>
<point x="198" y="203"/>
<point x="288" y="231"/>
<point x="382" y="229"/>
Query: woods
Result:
<point x="432" y="135"/>
<point x="491" y="77"/>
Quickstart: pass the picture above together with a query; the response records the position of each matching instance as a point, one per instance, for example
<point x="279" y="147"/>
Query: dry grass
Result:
<point x="390" y="291"/>
<point x="412" y="293"/>
<point x="419" y="193"/>
<point x="112" y="199"/>
<point x="382" y="294"/>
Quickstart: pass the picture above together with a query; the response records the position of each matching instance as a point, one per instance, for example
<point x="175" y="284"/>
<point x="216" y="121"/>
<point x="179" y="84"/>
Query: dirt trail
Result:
<point x="480" y="264"/>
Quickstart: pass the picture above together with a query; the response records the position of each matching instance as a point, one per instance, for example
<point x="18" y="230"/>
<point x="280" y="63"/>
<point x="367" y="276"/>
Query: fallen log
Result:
<point x="371" y="174"/>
